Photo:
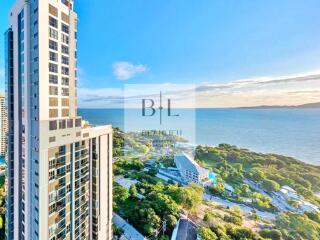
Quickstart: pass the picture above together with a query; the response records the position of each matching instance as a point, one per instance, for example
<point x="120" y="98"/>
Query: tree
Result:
<point x="164" y="205"/>
<point x="171" y="221"/>
<point x="120" y="195"/>
<point x="188" y="197"/>
<point x="206" y="234"/>
<point x="270" y="185"/>
<point x="256" y="174"/>
<point x="133" y="191"/>
<point x="273" y="234"/>
<point x="298" y="225"/>
<point x="217" y="188"/>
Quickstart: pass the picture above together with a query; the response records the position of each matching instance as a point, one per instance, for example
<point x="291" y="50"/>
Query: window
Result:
<point x="52" y="208"/>
<point x="65" y="102"/>
<point x="52" y="197"/>
<point x="52" y="139"/>
<point x="53" y="22"/>
<point x="53" y="56"/>
<point x="65" y="91"/>
<point x="53" y="79"/>
<point x="65" y="28"/>
<point x="53" y="90"/>
<point x="65" y="17"/>
<point x="53" y="102"/>
<point x="64" y="60"/>
<point x="64" y="49"/>
<point x="53" y="33"/>
<point x="65" y="112"/>
<point x="62" y="124"/>
<point x="65" y="38"/>
<point x="65" y="70"/>
<point x="70" y="123"/>
<point x="51" y="176"/>
<point x="78" y="122"/>
<point x="53" y="125"/>
<point x="53" y="45"/>
<point x="65" y="81"/>
<point x="53" y="10"/>
<point x="53" y="68"/>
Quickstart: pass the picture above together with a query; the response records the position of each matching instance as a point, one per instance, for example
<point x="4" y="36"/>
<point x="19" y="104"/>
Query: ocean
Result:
<point x="290" y="132"/>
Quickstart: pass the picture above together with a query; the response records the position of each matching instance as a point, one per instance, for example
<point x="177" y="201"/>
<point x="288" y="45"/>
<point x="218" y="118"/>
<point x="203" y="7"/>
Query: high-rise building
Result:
<point x="3" y="125"/>
<point x="59" y="176"/>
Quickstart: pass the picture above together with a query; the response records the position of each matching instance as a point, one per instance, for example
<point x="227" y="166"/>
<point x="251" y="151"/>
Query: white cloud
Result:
<point x="285" y="90"/>
<point x="100" y="98"/>
<point x="126" y="70"/>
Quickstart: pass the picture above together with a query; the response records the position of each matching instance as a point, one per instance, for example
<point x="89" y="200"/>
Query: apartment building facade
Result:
<point x="3" y="126"/>
<point x="59" y="176"/>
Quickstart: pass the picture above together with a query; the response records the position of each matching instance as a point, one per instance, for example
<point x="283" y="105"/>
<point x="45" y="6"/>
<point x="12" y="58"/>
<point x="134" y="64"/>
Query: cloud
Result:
<point x="288" y="90"/>
<point x="100" y="98"/>
<point x="126" y="70"/>
<point x="259" y="81"/>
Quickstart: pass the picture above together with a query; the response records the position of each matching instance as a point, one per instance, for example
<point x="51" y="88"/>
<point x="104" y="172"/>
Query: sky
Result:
<point x="236" y="53"/>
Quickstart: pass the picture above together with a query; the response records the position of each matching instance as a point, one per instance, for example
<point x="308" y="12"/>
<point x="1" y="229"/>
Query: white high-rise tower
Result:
<point x="59" y="171"/>
<point x="3" y="125"/>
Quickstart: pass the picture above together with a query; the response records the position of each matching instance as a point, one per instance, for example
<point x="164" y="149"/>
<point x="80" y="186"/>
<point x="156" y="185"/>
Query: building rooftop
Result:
<point x="185" y="230"/>
<point x="288" y="189"/>
<point x="188" y="163"/>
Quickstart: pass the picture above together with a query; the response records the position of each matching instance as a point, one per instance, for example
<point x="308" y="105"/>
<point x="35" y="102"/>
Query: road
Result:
<point x="244" y="208"/>
<point x="276" y="200"/>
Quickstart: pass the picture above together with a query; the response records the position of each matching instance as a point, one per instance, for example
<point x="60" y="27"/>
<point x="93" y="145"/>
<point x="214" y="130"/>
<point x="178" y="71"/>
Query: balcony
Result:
<point x="60" y="163"/>
<point x="60" y="217"/>
<point x="61" y="174"/>
<point x="81" y="147"/>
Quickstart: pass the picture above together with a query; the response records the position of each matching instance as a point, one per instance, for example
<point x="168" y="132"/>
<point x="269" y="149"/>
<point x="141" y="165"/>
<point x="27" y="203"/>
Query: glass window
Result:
<point x="53" y="68"/>
<point x="65" y="91"/>
<point x="53" y="56"/>
<point x="53" y="22"/>
<point x="65" y="81"/>
<point x="62" y="124"/>
<point x="53" y="125"/>
<point x="64" y="49"/>
<point x="78" y="122"/>
<point x="53" y="33"/>
<point x="65" y="60"/>
<point x="65" y="28"/>
<point x="53" y="90"/>
<point x="53" y="45"/>
<point x="65" y="70"/>
<point x="70" y="123"/>
<point x="53" y="79"/>
<point x="65" y="39"/>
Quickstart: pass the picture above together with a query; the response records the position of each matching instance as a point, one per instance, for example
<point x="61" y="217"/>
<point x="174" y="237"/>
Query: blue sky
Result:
<point x="188" y="41"/>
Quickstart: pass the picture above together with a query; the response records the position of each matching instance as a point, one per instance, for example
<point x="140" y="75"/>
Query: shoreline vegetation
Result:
<point x="271" y="170"/>
<point x="148" y="201"/>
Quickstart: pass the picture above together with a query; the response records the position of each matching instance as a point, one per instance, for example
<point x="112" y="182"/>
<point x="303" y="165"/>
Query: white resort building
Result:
<point x="191" y="171"/>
